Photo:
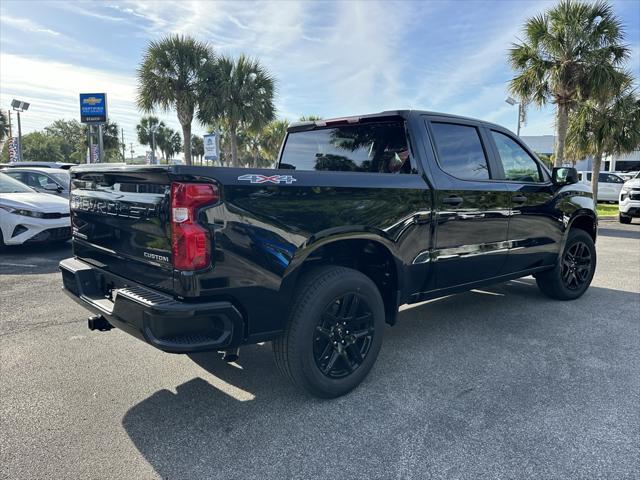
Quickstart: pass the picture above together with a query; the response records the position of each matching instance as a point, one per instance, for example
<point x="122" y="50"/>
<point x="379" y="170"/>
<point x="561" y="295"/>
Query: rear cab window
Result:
<point x="460" y="151"/>
<point x="373" y="147"/>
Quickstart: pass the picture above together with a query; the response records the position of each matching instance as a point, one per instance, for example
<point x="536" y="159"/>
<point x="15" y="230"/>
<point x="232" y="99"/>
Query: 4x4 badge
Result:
<point x="256" y="178"/>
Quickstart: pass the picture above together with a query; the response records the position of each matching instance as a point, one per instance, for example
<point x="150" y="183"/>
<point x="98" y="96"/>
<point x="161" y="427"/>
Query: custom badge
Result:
<point x="256" y="178"/>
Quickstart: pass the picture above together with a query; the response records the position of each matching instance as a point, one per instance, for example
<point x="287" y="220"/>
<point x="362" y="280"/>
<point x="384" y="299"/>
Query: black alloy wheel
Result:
<point x="576" y="266"/>
<point x="343" y="335"/>
<point x="573" y="272"/>
<point x="334" y="331"/>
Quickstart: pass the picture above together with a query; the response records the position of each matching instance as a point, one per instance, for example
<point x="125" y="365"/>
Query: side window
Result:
<point x="41" y="179"/>
<point x="608" y="178"/>
<point x="16" y="175"/>
<point x="460" y="151"/>
<point x="369" y="147"/>
<point x="516" y="162"/>
<point x="31" y="179"/>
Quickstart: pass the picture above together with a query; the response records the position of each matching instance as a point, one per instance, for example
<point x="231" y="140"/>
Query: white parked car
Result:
<point x="609" y="185"/>
<point x="629" y="206"/>
<point x="29" y="216"/>
<point x="45" y="180"/>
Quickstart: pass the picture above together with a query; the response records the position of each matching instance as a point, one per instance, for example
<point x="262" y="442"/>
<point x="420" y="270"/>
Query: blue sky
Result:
<point x="329" y="59"/>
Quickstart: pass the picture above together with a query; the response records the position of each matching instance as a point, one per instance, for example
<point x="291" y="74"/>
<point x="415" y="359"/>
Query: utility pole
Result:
<point x="19" y="138"/>
<point x="19" y="106"/>
<point x="90" y="142"/>
<point x="101" y="142"/>
<point x="122" y="131"/>
<point x="153" y="146"/>
<point x="519" y="117"/>
<point x="521" y="111"/>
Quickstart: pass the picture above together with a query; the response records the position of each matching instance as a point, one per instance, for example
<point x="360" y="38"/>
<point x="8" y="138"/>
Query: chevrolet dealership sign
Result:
<point x="93" y="107"/>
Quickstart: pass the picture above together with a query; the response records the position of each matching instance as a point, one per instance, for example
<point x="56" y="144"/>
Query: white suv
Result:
<point x="629" y="205"/>
<point x="609" y="185"/>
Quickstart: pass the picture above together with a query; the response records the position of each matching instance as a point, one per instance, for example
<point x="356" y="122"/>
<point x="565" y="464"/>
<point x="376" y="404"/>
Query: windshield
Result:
<point x="10" y="185"/>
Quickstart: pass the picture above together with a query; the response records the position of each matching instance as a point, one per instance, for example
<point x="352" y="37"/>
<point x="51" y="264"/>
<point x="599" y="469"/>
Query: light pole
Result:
<point x="19" y="106"/>
<point x="512" y="101"/>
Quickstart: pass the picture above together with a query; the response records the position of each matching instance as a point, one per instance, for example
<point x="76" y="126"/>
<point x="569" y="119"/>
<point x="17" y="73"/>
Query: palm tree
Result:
<point x="237" y="94"/>
<point x="272" y="136"/>
<point x="4" y="126"/>
<point x="174" y="144"/>
<point x="568" y="53"/>
<point x="606" y="125"/>
<point x="168" y="141"/>
<point x="170" y="76"/>
<point x="197" y="147"/>
<point x="145" y="130"/>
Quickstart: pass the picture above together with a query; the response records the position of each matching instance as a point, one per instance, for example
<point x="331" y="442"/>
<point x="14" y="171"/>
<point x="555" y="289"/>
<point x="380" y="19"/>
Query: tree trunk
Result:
<point x="595" y="172"/>
<point x="562" y="120"/>
<point x="186" y="135"/>
<point x="234" y="147"/>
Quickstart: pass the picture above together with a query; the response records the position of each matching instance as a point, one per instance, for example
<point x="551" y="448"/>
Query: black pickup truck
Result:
<point x="362" y="215"/>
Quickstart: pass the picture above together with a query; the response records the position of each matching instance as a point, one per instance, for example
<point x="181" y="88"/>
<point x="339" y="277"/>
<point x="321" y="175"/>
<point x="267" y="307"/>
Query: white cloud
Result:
<point x="26" y="25"/>
<point x="331" y="59"/>
<point x="53" y="88"/>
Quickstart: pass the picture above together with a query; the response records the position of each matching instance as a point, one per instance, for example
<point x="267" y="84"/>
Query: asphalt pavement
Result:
<point x="495" y="383"/>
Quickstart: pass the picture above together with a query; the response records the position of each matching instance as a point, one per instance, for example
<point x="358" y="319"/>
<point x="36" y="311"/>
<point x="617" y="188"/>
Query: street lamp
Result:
<point x="19" y="106"/>
<point x="512" y="101"/>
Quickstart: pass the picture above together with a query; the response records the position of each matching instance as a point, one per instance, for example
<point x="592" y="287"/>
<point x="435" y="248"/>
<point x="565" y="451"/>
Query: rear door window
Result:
<point x="460" y="151"/>
<point x="369" y="147"/>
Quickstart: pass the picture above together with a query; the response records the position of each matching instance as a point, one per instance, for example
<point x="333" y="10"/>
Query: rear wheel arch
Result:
<point x="367" y="255"/>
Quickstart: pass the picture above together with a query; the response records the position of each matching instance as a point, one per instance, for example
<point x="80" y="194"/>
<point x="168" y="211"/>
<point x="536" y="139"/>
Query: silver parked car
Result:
<point x="44" y="180"/>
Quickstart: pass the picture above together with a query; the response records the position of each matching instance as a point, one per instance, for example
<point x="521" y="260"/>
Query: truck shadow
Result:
<point x="33" y="259"/>
<point x="450" y="370"/>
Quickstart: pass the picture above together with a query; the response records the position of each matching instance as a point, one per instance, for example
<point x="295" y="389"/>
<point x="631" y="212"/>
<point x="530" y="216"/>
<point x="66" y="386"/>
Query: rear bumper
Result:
<point x="156" y="318"/>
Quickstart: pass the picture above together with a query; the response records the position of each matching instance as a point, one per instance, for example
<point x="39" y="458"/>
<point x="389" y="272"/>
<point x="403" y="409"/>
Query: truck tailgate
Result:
<point x="120" y="220"/>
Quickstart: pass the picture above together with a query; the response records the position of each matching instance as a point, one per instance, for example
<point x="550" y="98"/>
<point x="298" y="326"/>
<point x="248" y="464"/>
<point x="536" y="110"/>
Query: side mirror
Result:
<point x="564" y="175"/>
<point x="51" y="187"/>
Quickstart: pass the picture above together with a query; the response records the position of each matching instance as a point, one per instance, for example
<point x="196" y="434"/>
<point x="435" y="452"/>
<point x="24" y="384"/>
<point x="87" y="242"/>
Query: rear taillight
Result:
<point x="190" y="241"/>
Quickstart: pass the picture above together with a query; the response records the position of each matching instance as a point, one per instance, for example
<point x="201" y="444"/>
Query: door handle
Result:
<point x="518" y="199"/>
<point x="452" y="200"/>
<point x="422" y="217"/>
<point x="470" y="216"/>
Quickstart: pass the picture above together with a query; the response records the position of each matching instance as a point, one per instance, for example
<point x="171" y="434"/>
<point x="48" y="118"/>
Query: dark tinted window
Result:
<point x="370" y="147"/>
<point x="516" y="162"/>
<point x="460" y="151"/>
<point x="609" y="178"/>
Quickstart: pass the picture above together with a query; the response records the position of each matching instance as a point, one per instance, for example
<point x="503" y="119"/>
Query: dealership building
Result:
<point x="617" y="163"/>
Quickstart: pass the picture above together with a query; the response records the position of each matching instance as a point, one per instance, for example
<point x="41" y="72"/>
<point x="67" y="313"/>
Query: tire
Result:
<point x="574" y="272"/>
<point x="311" y="353"/>
<point x="2" y="244"/>
<point x="624" y="218"/>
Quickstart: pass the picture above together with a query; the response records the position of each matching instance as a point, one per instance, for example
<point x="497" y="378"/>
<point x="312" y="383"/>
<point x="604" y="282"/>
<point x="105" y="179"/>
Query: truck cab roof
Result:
<point x="386" y="114"/>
